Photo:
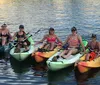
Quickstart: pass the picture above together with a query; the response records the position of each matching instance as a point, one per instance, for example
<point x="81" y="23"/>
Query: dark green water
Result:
<point x="42" y="14"/>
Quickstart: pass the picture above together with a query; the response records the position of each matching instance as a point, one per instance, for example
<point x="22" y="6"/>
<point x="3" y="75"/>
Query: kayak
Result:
<point x="41" y="56"/>
<point x="83" y="77"/>
<point x="85" y="66"/>
<point x="63" y="63"/>
<point x="23" y="55"/>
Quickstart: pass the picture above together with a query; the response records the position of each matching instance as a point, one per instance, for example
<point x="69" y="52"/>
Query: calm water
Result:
<point x="42" y="14"/>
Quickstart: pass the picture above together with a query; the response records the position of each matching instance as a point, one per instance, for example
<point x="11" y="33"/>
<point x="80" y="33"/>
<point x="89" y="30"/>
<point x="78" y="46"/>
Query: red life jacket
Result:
<point x="92" y="56"/>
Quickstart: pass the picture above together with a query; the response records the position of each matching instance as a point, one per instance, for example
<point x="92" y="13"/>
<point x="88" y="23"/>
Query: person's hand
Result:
<point x="85" y="52"/>
<point x="59" y="44"/>
<point x="36" y="43"/>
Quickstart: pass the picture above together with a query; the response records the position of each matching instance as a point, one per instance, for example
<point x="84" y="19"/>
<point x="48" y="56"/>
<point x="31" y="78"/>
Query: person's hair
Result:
<point x="73" y="29"/>
<point x="21" y="26"/>
<point x="93" y="36"/>
<point x="4" y="25"/>
<point x="51" y="29"/>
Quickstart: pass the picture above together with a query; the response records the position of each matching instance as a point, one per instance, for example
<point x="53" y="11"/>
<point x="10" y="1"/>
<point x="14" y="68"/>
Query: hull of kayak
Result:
<point x="23" y="55"/>
<point x="41" y="56"/>
<point x="63" y="63"/>
<point x="84" y="66"/>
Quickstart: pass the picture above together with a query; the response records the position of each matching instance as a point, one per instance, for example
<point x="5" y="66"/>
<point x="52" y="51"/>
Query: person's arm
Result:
<point x="80" y="39"/>
<point x="10" y="36"/>
<point x="41" y="40"/>
<point x="14" y="36"/>
<point x="25" y="35"/>
<point x="87" y="46"/>
<point x="58" y="39"/>
<point x="66" y="41"/>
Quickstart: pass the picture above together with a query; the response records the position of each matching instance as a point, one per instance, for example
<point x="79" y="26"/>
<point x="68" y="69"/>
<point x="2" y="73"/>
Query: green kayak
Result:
<point x="63" y="63"/>
<point x="23" y="55"/>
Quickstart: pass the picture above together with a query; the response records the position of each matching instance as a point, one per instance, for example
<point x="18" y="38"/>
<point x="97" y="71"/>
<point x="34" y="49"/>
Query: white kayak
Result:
<point x="62" y="63"/>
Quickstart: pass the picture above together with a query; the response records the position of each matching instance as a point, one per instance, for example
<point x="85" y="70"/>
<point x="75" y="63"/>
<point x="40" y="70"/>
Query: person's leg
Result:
<point x="17" y="49"/>
<point x="87" y="56"/>
<point x="70" y="52"/>
<point x="63" y="53"/>
<point x="26" y="47"/>
<point x="60" y="56"/>
<point x="46" y="46"/>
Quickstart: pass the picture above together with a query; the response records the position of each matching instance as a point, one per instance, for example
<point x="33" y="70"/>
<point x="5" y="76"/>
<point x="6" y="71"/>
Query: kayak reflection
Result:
<point x="20" y="67"/>
<point x="39" y="69"/>
<point x="82" y="78"/>
<point x="59" y="76"/>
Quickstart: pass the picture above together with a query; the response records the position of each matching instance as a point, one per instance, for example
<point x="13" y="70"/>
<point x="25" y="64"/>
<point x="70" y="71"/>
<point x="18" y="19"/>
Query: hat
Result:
<point x="51" y="29"/>
<point x="73" y="29"/>
<point x="93" y="36"/>
<point x="21" y="26"/>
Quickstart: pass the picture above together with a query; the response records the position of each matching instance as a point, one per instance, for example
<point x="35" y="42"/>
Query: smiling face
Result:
<point x="74" y="32"/>
<point x="51" y="32"/>
<point x="93" y="37"/>
<point x="21" y="29"/>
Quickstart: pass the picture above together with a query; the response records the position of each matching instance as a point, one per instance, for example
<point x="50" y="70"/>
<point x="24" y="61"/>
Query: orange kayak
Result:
<point x="84" y="66"/>
<point x="41" y="56"/>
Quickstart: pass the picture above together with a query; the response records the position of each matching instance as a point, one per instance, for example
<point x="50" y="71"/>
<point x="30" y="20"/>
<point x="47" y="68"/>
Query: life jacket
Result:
<point x="92" y="56"/>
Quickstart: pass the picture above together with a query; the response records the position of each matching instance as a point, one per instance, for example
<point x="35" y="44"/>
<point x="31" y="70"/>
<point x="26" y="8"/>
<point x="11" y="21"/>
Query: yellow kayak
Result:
<point x="41" y="56"/>
<point x="84" y="66"/>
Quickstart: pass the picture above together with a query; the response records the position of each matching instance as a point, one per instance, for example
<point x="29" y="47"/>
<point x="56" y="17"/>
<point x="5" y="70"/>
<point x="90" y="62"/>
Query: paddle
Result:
<point x="19" y="42"/>
<point x="27" y="34"/>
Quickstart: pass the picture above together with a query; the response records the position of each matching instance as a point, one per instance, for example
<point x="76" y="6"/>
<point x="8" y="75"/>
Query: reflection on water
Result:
<point x="60" y="14"/>
<point x="61" y="76"/>
<point x="20" y="67"/>
<point x="84" y="78"/>
<point x="29" y="72"/>
<point x="42" y="14"/>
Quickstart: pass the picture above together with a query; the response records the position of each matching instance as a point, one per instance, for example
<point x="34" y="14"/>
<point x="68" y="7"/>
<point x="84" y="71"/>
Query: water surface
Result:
<point x="42" y="14"/>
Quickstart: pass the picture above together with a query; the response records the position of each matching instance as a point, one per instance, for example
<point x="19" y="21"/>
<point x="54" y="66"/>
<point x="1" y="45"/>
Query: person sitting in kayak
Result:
<point x="51" y="40"/>
<point x="20" y="35"/>
<point x="73" y="44"/>
<point x="94" y="48"/>
<point x="5" y="35"/>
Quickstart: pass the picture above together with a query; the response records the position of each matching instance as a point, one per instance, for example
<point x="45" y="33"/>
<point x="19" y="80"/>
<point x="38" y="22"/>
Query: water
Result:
<point x="42" y="14"/>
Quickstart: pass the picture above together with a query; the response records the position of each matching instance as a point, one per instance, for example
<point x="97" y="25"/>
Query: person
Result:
<point x="94" y="48"/>
<point x="51" y="40"/>
<point x="5" y="35"/>
<point x="73" y="41"/>
<point x="20" y="35"/>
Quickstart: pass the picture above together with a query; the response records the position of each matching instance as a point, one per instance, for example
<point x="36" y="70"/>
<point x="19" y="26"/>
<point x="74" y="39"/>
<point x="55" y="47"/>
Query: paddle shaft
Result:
<point x="22" y="41"/>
